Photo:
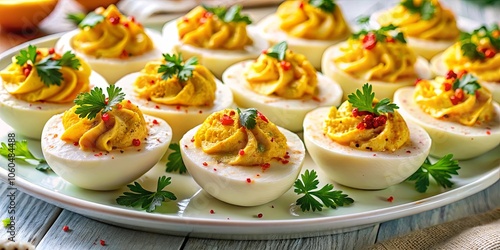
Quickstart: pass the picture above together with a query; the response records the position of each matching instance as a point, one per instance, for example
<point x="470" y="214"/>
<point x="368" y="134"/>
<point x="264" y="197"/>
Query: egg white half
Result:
<point x="180" y="118"/>
<point x="462" y="141"/>
<point x="312" y="49"/>
<point x="229" y="183"/>
<point x="286" y="113"/>
<point x="102" y="170"/>
<point x="113" y="69"/>
<point x="382" y="89"/>
<point x="363" y="169"/>
<point x="28" y="118"/>
<point x="215" y="60"/>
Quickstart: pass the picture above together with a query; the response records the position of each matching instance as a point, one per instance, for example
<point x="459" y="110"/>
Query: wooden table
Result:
<point x="41" y="223"/>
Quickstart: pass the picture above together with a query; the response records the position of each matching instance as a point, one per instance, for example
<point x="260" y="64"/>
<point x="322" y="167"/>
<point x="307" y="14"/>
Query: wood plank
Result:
<point x="86" y="233"/>
<point x="33" y="217"/>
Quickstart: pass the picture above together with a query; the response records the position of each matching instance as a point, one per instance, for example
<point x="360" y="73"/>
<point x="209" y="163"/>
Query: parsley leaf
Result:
<point x="469" y="50"/>
<point x="26" y="56"/>
<point x="248" y="117"/>
<point x="174" y="66"/>
<point x="380" y="34"/>
<point x="278" y="51"/>
<point x="426" y="8"/>
<point x="475" y="50"/>
<point x="325" y="5"/>
<point x="312" y="197"/>
<point x="69" y="59"/>
<point x="91" y="20"/>
<point x="441" y="171"/>
<point x="364" y="101"/>
<point x="76" y="18"/>
<point x="468" y="83"/>
<point x="90" y="104"/>
<point x="233" y="14"/>
<point x="22" y="154"/>
<point x="48" y="71"/>
<point x="175" y="162"/>
<point x="363" y="20"/>
<point x="146" y="199"/>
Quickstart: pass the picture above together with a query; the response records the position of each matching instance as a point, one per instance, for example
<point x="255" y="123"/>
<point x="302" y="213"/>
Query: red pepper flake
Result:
<point x="119" y="106"/>
<point x="265" y="166"/>
<point x="241" y="152"/>
<point x="105" y="117"/>
<point x="126" y="25"/>
<point x="136" y="142"/>
<point x="200" y="111"/>
<point x="212" y="211"/>
<point x="374" y="154"/>
<point x="157" y="107"/>
<point x="178" y="107"/>
<point x="249" y="180"/>
<point x="215" y="169"/>
<point x="447" y="86"/>
<point x="185" y="146"/>
<point x="488" y="132"/>
<point x="124" y="54"/>
<point x="26" y="71"/>
<point x="185" y="19"/>
<point x="96" y="155"/>
<point x="65" y="228"/>
<point x="226" y="120"/>
<point x="285" y="161"/>
<point x="390" y="199"/>
<point x="205" y="163"/>
<point x="192" y="139"/>
<point x="390" y="39"/>
<point x="259" y="215"/>
<point x="451" y="75"/>
<point x="301" y="5"/>
<point x="102" y="242"/>
<point x="489" y="53"/>
<point x="287" y="155"/>
<point x="417" y="81"/>
<point x="131" y="18"/>
<point x="285" y="65"/>
<point x="155" y="122"/>
<point x="52" y="51"/>
<point x="114" y="20"/>
<point x="75" y="143"/>
<point x="264" y="51"/>
<point x="408" y="151"/>
<point x="232" y="113"/>
<point x="369" y="41"/>
<point x="263" y="117"/>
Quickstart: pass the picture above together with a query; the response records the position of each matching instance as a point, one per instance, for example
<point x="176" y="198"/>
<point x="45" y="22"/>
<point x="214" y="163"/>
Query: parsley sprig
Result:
<point x="278" y="51"/>
<point x="23" y="154"/>
<point x="91" y="20"/>
<point x="175" y="162"/>
<point x="90" y="104"/>
<point x="468" y="41"/>
<point x="325" y="5"/>
<point x="147" y="200"/>
<point x="380" y="34"/>
<point x="468" y="83"/>
<point x="76" y="17"/>
<point x="364" y="101"/>
<point x="441" y="171"/>
<point x="175" y="67"/>
<point x="48" y="68"/>
<point x="248" y="117"/>
<point x="233" y="14"/>
<point x="316" y="199"/>
<point x="426" y="8"/>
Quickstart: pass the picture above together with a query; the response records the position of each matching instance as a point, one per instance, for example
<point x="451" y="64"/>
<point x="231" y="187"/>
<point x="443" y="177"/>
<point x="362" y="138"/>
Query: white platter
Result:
<point x="190" y="213"/>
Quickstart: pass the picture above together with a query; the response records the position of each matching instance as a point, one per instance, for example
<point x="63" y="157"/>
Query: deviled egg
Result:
<point x="282" y="84"/>
<point x="182" y="93"/>
<point x="242" y="158"/>
<point x="365" y="144"/>
<point x="113" y="44"/>
<point x="40" y="83"/>
<point x="459" y="114"/>
<point x="477" y="53"/>
<point x="218" y="36"/>
<point x="380" y="57"/>
<point x="309" y="27"/>
<point x="104" y="143"/>
<point x="429" y="27"/>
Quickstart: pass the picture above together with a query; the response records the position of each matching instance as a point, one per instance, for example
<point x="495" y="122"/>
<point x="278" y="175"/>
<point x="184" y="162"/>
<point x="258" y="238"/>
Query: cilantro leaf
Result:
<point x="26" y="56"/>
<point x="90" y="104"/>
<point x="317" y="199"/>
<point x="91" y="20"/>
<point x="233" y="14"/>
<point x="426" y="8"/>
<point x="248" y="117"/>
<point x="146" y="199"/>
<point x="469" y="50"/>
<point x="363" y="20"/>
<point x="441" y="171"/>
<point x="174" y="66"/>
<point x="468" y="83"/>
<point x="325" y="5"/>
<point x="69" y="59"/>
<point x="48" y="71"/>
<point x="23" y="154"/>
<point x="175" y="162"/>
<point x="364" y="101"/>
<point x="278" y="51"/>
<point x="76" y="18"/>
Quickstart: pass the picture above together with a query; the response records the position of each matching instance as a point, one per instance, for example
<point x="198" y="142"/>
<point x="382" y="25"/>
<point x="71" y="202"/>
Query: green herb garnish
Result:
<point x="248" y="117"/>
<point x="317" y="199"/>
<point x="233" y="14"/>
<point x="23" y="154"/>
<point x="426" y="8"/>
<point x="175" y="67"/>
<point x="469" y="42"/>
<point x="48" y="69"/>
<point x="278" y="51"/>
<point x="468" y="83"/>
<point x="76" y="18"/>
<point x="175" y="162"/>
<point x="90" y="104"/>
<point x="364" y="101"/>
<point x="91" y="20"/>
<point x="6" y="222"/>
<point x="146" y="199"/>
<point x="381" y="34"/>
<point x="325" y="5"/>
<point x="441" y="171"/>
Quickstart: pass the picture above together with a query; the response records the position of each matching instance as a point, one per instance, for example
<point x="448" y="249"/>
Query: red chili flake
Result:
<point x="408" y="151"/>
<point x="200" y="112"/>
<point x="249" y="180"/>
<point x="265" y="166"/>
<point x="215" y="169"/>
<point x="241" y="152"/>
<point x="185" y="19"/>
<point x="459" y="93"/>
<point x="232" y="113"/>
<point x="390" y="39"/>
<point x="178" y="107"/>
<point x="451" y="75"/>
<point x="301" y="5"/>
<point x="417" y="81"/>
<point x="390" y="199"/>
<point x="287" y="156"/>
<point x="488" y="132"/>
<point x="96" y="155"/>
<point x="124" y="54"/>
<point x="157" y="107"/>
<point x="205" y="163"/>
<point x="447" y="86"/>
<point x="75" y="143"/>
<point x="192" y="139"/>
<point x="119" y="106"/>
<point x="285" y="161"/>
<point x="65" y="228"/>
<point x="26" y="72"/>
<point x="285" y="65"/>
<point x="131" y="18"/>
<point x="128" y="101"/>
<point x="263" y="117"/>
<point x="136" y="142"/>
<point x="489" y="53"/>
<point x="454" y="100"/>
<point x="114" y="20"/>
<point x="52" y="51"/>
<point x="374" y="154"/>
<point x="102" y="242"/>
<point x="126" y="25"/>
<point x="185" y="146"/>
<point x="369" y="41"/>
<point x="264" y="51"/>
<point x="226" y="120"/>
<point x="212" y="211"/>
<point x="105" y="117"/>
<point x="260" y="215"/>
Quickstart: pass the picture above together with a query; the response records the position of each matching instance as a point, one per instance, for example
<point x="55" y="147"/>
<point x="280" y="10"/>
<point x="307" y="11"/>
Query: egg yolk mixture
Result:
<point x="303" y="20"/>
<point x="365" y="131"/>
<point x="477" y="53"/>
<point x="115" y="36"/>
<point x="443" y="99"/>
<point x="122" y="127"/>
<point x="198" y="90"/>
<point x="204" y="29"/>
<point x="222" y="135"/>
<point x="424" y="19"/>
<point x="369" y="58"/>
<point x="24" y="83"/>
<point x="292" y="78"/>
